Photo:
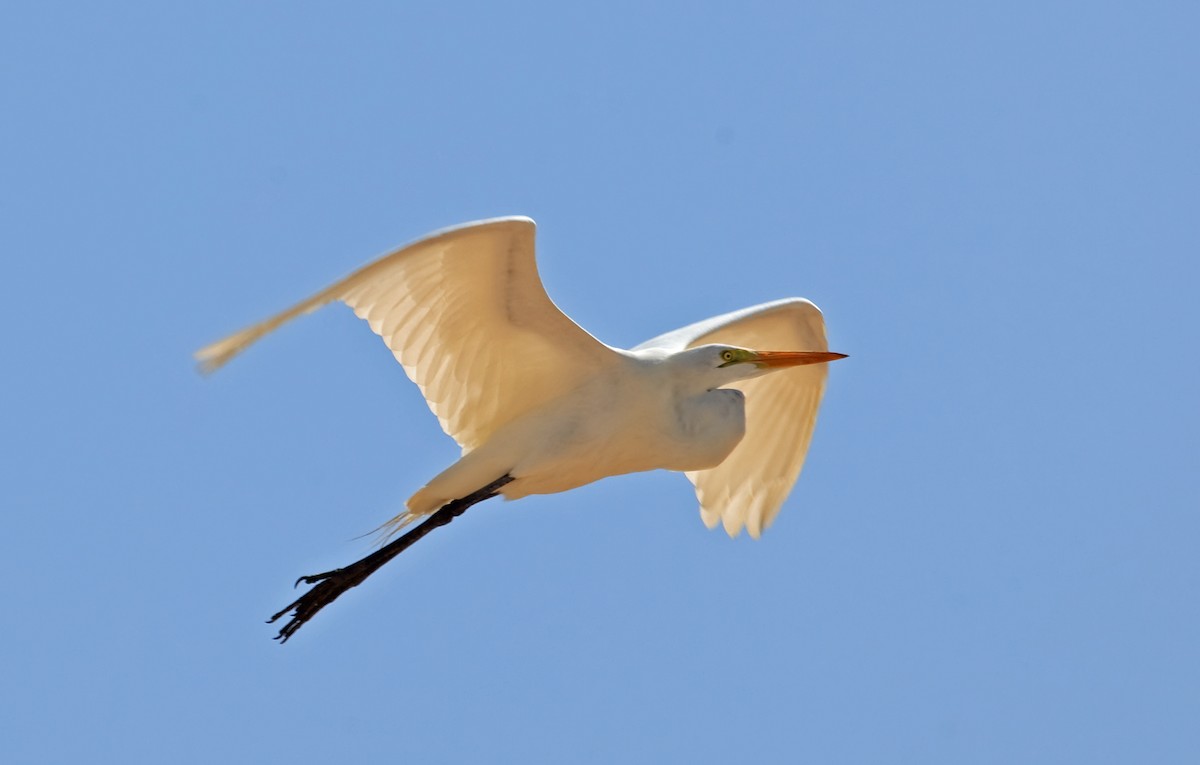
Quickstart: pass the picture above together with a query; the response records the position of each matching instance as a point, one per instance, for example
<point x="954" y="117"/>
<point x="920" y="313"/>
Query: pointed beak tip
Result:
<point x="781" y="359"/>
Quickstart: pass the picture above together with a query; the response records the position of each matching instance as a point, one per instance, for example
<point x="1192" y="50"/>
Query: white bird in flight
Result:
<point x="540" y="406"/>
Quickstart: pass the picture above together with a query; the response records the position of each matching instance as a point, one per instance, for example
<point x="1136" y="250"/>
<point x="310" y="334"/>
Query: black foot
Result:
<point x="314" y="578"/>
<point x="329" y="586"/>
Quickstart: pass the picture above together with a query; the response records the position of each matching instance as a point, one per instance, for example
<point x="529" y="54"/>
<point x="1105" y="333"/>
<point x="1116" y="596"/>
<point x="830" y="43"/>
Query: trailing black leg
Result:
<point x="331" y="584"/>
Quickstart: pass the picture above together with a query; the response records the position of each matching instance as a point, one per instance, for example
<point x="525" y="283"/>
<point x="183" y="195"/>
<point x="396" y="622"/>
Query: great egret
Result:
<point x="540" y="406"/>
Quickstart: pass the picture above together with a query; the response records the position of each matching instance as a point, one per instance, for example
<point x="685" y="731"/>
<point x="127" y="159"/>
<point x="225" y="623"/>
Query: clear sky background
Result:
<point x="991" y="556"/>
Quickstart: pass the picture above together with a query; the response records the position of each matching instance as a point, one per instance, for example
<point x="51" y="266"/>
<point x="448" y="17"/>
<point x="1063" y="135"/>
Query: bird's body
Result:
<point x="645" y="400"/>
<point x="539" y="406"/>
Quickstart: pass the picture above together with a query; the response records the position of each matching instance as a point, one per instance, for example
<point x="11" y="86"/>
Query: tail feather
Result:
<point x="390" y="528"/>
<point x="420" y="505"/>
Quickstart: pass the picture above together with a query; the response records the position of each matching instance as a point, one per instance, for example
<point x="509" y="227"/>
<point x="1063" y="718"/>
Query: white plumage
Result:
<point x="750" y="485"/>
<point x="538" y="405"/>
<point x="465" y="314"/>
<point x="456" y="308"/>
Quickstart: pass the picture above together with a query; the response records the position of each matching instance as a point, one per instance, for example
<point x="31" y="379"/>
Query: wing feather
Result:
<point x="465" y="313"/>
<point x="749" y="487"/>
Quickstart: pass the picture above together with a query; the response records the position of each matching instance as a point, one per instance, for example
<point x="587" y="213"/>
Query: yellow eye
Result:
<point x="727" y="355"/>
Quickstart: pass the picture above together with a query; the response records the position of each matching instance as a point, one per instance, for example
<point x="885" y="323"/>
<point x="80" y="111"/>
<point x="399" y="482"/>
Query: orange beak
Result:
<point x="779" y="359"/>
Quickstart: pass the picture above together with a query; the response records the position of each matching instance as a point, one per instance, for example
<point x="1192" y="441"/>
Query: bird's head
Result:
<point x="724" y="364"/>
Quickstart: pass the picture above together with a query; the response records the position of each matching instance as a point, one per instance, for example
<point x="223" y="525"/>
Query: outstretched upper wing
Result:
<point x="749" y="487"/>
<point x="465" y="313"/>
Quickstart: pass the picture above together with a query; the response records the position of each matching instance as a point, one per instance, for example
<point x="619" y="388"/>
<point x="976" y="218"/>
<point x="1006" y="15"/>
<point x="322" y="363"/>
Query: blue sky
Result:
<point x="991" y="555"/>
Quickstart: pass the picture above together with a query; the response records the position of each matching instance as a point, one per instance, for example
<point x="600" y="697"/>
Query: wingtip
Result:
<point x="501" y="220"/>
<point x="213" y="356"/>
<point x="210" y="358"/>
